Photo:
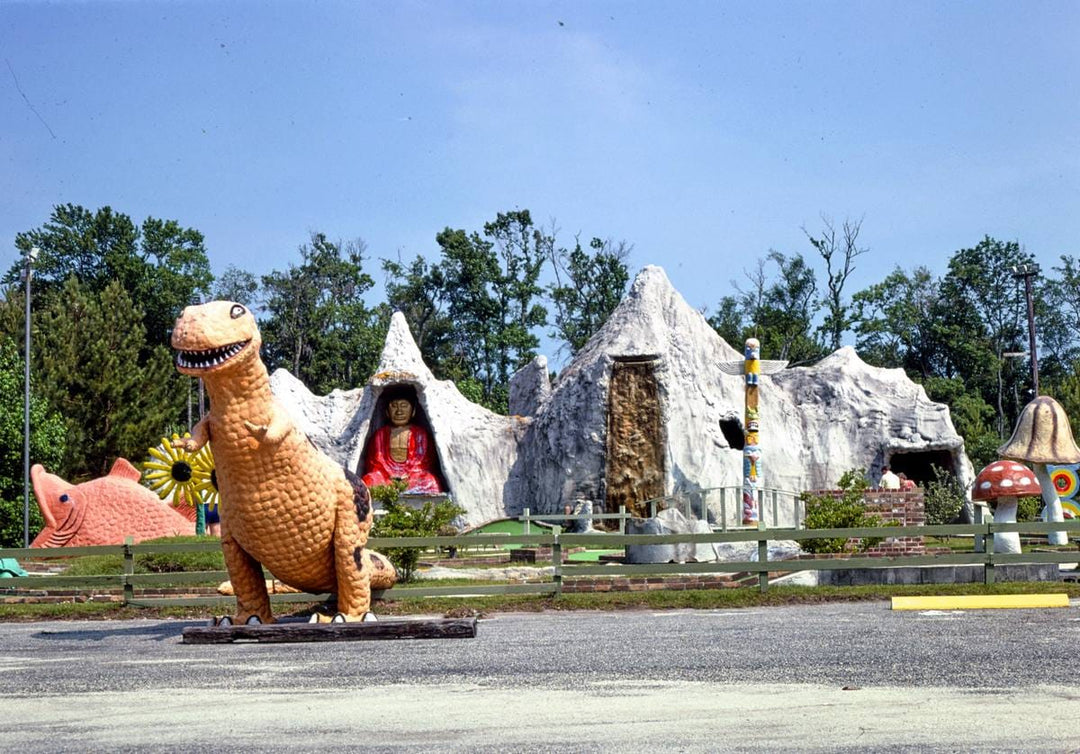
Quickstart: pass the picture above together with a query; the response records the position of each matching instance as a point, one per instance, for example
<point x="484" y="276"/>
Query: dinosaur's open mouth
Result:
<point x="209" y="358"/>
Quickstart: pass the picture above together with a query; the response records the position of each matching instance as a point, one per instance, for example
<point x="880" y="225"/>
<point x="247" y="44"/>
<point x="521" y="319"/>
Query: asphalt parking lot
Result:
<point x="836" y="677"/>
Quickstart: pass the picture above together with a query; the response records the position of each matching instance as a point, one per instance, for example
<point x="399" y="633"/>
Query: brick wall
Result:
<point x="905" y="508"/>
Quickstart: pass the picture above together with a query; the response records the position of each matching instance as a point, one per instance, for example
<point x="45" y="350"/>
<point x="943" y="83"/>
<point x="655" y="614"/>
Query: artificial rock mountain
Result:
<point x="638" y="413"/>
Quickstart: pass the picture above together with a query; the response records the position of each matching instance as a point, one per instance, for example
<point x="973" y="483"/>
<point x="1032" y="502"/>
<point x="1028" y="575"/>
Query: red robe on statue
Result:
<point x="381" y="468"/>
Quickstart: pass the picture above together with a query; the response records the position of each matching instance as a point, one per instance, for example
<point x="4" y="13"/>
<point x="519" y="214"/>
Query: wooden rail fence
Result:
<point x="127" y="580"/>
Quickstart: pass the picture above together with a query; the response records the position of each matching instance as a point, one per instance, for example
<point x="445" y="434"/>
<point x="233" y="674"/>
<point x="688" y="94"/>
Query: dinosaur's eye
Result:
<point x="237" y="311"/>
<point x="64" y="498"/>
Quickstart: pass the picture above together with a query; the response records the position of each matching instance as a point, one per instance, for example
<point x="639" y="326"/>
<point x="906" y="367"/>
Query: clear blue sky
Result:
<point x="703" y="133"/>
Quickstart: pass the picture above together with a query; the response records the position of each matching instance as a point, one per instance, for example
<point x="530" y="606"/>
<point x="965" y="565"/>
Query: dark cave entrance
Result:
<point x="918" y="466"/>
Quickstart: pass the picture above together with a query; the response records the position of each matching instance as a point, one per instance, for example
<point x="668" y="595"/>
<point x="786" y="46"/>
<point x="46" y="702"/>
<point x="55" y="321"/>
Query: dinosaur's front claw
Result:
<point x="221" y="620"/>
<point x="253" y="620"/>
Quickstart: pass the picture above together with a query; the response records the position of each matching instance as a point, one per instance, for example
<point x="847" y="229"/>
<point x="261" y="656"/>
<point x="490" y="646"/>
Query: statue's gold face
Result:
<point x="399" y="411"/>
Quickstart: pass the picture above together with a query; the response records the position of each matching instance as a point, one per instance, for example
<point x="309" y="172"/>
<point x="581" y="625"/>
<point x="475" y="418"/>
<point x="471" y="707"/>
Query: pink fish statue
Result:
<point x="102" y="511"/>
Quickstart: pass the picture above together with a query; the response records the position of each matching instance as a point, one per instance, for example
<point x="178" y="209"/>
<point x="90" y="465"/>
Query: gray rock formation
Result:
<point x="816" y="422"/>
<point x="530" y="387"/>
<point x="570" y="441"/>
<point x="668" y="521"/>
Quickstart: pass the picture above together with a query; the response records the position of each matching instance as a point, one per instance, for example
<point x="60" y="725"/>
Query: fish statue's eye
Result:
<point x="237" y="311"/>
<point x="64" y="499"/>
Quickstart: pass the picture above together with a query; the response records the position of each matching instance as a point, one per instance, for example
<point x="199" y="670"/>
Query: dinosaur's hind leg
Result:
<point x="248" y="583"/>
<point x="353" y="565"/>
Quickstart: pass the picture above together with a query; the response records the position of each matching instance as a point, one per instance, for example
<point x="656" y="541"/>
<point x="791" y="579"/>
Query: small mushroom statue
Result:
<point x="1043" y="436"/>
<point x="1002" y="484"/>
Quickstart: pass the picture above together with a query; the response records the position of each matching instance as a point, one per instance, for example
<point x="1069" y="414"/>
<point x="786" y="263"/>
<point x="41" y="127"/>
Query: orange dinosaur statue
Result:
<point x="103" y="511"/>
<point x="284" y="504"/>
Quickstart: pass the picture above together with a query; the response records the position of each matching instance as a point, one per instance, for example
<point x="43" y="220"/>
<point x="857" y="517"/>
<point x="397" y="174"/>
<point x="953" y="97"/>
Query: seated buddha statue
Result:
<point x="402" y="449"/>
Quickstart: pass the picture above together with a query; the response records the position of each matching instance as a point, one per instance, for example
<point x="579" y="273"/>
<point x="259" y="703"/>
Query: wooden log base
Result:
<point x="437" y="628"/>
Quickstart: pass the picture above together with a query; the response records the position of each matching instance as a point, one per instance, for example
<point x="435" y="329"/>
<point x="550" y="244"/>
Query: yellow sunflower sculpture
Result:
<point x="180" y="474"/>
<point x="205" y="477"/>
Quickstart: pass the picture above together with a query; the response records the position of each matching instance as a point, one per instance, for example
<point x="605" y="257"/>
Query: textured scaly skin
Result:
<point x="285" y="505"/>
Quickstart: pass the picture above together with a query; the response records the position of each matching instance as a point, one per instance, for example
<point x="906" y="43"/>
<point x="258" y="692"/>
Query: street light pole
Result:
<point x="31" y="257"/>
<point x="1028" y="271"/>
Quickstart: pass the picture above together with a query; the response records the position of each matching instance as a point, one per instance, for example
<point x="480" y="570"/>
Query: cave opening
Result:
<point x="732" y="430"/>
<point x="918" y="465"/>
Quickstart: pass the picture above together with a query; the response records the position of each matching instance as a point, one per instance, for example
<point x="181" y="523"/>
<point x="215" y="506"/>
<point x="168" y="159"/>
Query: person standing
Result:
<point x="889" y="480"/>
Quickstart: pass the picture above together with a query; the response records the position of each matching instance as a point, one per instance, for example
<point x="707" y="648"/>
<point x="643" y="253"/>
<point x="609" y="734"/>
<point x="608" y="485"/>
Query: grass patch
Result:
<point x="713" y="599"/>
<point x="703" y="599"/>
<point x="966" y="544"/>
<point x="171" y="562"/>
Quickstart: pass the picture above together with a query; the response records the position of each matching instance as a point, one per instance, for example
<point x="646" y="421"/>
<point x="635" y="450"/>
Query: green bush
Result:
<point x="1028" y="508"/>
<point x="943" y="498"/>
<point x="400" y="520"/>
<point x="844" y="511"/>
<point x="47" y="441"/>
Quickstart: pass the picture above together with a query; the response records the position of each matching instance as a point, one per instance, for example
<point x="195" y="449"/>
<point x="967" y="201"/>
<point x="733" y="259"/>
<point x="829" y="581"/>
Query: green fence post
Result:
<point x="556" y="561"/>
<point x="622" y="519"/>
<point x="129" y="570"/>
<point x="979" y="541"/>
<point x="988" y="564"/>
<point x="723" y="509"/>
<point x="525" y="518"/>
<point x="763" y="559"/>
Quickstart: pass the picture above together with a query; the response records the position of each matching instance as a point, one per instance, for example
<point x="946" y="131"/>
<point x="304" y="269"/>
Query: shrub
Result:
<point x="943" y="498"/>
<point x="47" y="442"/>
<point x="400" y="520"/>
<point x="844" y="511"/>
<point x="1028" y="508"/>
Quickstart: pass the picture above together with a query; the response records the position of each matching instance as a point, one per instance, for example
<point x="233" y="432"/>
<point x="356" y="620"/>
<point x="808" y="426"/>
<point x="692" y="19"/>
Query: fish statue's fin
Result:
<point x="122" y="468"/>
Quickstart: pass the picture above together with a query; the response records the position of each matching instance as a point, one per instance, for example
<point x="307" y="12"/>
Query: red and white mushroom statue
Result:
<point x="1002" y="484"/>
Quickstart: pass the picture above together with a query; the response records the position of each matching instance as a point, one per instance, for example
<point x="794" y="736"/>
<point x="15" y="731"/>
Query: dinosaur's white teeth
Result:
<point x="208" y="358"/>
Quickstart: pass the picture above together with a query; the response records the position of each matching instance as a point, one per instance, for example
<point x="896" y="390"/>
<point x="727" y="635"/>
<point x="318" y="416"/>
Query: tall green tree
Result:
<point x="236" y="284"/>
<point x="46" y="445"/>
<point x="159" y="265"/>
<point x="985" y="319"/>
<point x="588" y="286"/>
<point x="162" y="265"/>
<point x="956" y="335"/>
<point x="778" y="309"/>
<point x="419" y="291"/>
<point x="522" y="250"/>
<point x="896" y="322"/>
<point x="1057" y="313"/>
<point x="493" y="299"/>
<point x="87" y="347"/>
<point x="317" y="324"/>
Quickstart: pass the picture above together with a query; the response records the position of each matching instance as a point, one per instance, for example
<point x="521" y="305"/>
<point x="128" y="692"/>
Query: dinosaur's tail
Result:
<point x="383" y="573"/>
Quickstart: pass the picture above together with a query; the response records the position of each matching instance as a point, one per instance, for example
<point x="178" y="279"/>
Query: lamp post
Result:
<point x="1026" y="272"/>
<point x="31" y="257"/>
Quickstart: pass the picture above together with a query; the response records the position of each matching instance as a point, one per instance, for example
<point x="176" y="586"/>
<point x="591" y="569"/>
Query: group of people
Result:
<point x="895" y="482"/>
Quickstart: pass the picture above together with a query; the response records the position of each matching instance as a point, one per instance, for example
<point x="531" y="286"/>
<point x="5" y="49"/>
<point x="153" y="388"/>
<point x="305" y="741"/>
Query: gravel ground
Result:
<point x="833" y="677"/>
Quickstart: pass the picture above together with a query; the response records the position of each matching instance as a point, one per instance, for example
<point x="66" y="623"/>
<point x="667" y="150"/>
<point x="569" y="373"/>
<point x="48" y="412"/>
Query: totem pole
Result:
<point x="752" y="367"/>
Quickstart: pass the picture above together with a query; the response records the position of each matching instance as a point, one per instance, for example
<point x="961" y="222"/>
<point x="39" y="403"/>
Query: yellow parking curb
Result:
<point x="980" y="601"/>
